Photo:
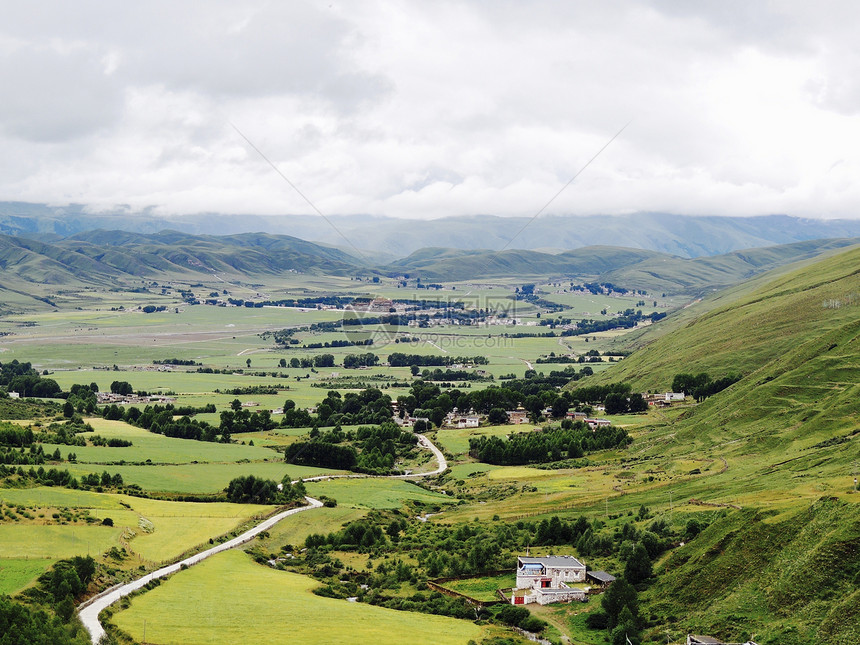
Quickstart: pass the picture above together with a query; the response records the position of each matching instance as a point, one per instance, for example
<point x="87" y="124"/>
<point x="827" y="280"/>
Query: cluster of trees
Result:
<point x="105" y="480"/>
<point x="25" y="625"/>
<point x="160" y="420"/>
<point x="401" y="359"/>
<point x="22" y="378"/>
<point x="110" y="442"/>
<point x="700" y="386"/>
<point x="551" y="444"/>
<point x="238" y="420"/>
<point x="371" y="449"/>
<point x="41" y="475"/>
<point x="13" y="435"/>
<point x="256" y="490"/>
<point x="352" y="361"/>
<point x="35" y="456"/>
<point x="616" y="403"/>
<point x="454" y="375"/>
<point x="370" y="406"/>
<point x="619" y="614"/>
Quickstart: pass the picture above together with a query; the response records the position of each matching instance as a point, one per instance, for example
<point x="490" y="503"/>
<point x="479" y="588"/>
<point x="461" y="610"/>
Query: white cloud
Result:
<point x="430" y="109"/>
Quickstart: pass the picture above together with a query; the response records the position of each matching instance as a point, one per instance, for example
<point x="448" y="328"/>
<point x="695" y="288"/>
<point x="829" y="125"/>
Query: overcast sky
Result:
<point x="426" y="109"/>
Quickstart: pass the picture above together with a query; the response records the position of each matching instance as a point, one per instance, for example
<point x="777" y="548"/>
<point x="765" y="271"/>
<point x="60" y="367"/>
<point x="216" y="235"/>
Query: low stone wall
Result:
<point x="436" y="585"/>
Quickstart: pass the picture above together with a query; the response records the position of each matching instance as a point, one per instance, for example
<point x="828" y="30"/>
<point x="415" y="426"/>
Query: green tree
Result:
<point x="638" y="567"/>
<point x="619" y="596"/>
<point x="497" y="416"/>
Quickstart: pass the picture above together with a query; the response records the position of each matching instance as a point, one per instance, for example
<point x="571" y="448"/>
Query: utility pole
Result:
<point x="671" y="508"/>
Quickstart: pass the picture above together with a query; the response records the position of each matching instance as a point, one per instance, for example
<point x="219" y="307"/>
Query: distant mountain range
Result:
<point x="101" y="257"/>
<point x="381" y="239"/>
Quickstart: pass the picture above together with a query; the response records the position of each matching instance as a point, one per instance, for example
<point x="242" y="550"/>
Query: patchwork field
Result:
<point x="375" y="493"/>
<point x="195" y="607"/>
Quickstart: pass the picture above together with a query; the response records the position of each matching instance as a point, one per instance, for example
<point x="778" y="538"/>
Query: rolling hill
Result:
<point x="631" y="268"/>
<point x="680" y="235"/>
<point x="780" y="559"/>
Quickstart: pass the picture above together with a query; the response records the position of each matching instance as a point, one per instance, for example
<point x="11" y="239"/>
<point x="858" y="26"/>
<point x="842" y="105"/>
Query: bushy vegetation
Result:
<point x="549" y="444"/>
<point x="255" y="490"/>
<point x="24" y="625"/>
<point x="370" y="449"/>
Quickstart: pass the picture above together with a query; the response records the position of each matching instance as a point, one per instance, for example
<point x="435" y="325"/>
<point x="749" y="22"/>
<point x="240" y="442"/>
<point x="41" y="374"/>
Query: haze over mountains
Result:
<point x="391" y="238"/>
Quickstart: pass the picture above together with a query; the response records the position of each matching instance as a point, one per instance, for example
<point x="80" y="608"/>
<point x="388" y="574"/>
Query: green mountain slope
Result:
<point x="775" y="457"/>
<point x="631" y="268"/>
<point x="754" y="328"/>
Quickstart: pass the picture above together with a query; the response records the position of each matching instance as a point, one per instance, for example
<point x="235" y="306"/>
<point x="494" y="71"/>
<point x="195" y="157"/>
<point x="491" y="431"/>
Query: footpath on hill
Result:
<point x="89" y="611"/>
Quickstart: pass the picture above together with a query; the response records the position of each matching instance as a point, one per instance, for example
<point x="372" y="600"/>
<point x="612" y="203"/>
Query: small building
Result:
<point x="600" y="578"/>
<point x="14" y="395"/>
<point x="544" y="580"/>
<point x="674" y="396"/>
<point x="517" y="417"/>
<point x="598" y="423"/>
<point x="577" y="416"/>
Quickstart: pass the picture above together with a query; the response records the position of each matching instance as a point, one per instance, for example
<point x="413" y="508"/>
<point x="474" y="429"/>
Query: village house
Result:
<point x="597" y="423"/>
<point x="518" y="416"/>
<point x="577" y="416"/>
<point x="544" y="580"/>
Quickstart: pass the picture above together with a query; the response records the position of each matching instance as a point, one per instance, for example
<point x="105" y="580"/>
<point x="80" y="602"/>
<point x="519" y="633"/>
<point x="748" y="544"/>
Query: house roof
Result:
<point x="553" y="561"/>
<point x="704" y="640"/>
<point x="601" y="576"/>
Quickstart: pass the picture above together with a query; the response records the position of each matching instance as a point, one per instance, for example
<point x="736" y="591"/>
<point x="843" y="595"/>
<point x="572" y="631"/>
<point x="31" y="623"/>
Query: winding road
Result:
<point x="89" y="611"/>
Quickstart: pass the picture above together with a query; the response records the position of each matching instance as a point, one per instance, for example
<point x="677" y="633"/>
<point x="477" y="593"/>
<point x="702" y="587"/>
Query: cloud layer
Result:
<point x="414" y="109"/>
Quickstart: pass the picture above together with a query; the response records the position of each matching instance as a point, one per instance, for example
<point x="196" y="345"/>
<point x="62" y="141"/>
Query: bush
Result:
<point x="533" y="624"/>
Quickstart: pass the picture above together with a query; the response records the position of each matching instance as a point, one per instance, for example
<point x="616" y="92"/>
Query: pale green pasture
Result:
<point x="375" y="492"/>
<point x="295" y="529"/>
<point x="52" y="541"/>
<point x="198" y="478"/>
<point x="54" y="496"/>
<point x="456" y="440"/>
<point x="159" y="449"/>
<point x="17" y="573"/>
<point x="261" y="605"/>
<point x="158" y="530"/>
<point x="462" y="471"/>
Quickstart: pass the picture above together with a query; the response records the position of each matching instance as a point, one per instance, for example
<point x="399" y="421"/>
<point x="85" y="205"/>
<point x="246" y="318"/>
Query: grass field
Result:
<point x="17" y="573"/>
<point x="158" y="448"/>
<point x="41" y="541"/>
<point x="321" y="520"/>
<point x="375" y="493"/>
<point x="199" y="478"/>
<point x="154" y="530"/>
<point x="482" y="588"/>
<point x="195" y="607"/>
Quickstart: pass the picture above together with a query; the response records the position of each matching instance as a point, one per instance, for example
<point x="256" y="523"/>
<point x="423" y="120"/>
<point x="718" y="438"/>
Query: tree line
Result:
<point x="550" y="444"/>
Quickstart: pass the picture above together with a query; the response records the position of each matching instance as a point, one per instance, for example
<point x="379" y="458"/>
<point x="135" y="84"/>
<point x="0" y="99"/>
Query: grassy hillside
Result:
<point x="780" y="561"/>
<point x="786" y="580"/>
<point x="754" y="328"/>
<point x="630" y="268"/>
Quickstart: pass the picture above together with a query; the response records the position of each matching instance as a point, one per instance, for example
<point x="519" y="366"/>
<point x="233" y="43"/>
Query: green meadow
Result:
<point x="196" y="607"/>
<point x="17" y="573"/>
<point x="375" y="493"/>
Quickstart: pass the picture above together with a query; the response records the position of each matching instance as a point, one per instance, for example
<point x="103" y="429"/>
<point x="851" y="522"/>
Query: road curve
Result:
<point x="90" y="610"/>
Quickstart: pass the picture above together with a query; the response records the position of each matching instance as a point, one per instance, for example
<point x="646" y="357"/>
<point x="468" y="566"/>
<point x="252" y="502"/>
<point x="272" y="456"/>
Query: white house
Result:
<point x="545" y="580"/>
<point x="674" y="396"/>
